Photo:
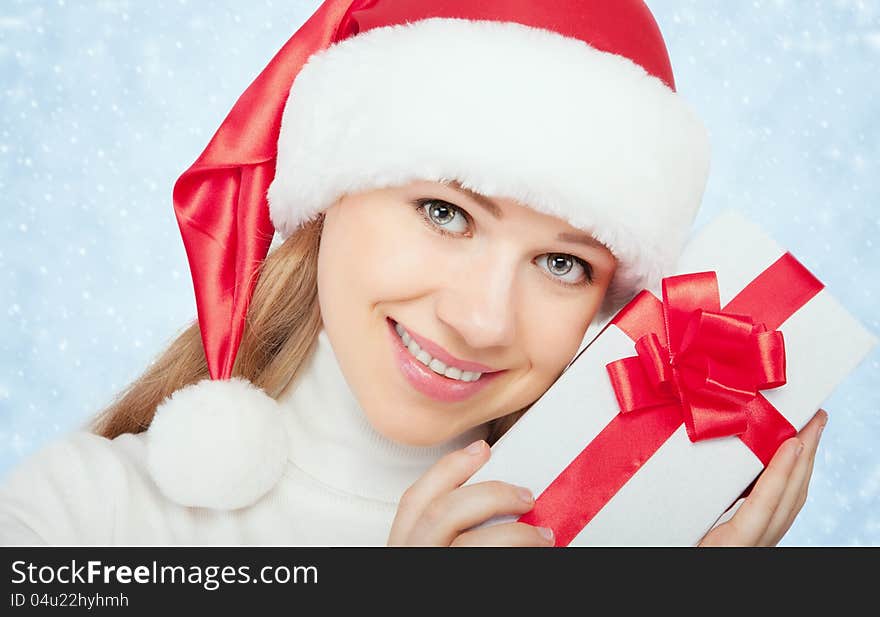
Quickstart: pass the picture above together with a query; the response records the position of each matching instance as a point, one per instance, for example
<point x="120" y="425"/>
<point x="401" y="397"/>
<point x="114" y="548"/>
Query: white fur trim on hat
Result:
<point x="217" y="444"/>
<point x="506" y="110"/>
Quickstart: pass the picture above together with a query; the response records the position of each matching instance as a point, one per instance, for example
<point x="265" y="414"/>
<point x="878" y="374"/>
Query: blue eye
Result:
<point x="442" y="216"/>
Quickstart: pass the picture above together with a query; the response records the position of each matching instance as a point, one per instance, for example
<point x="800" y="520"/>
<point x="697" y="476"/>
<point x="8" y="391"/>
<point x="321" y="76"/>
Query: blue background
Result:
<point x="103" y="104"/>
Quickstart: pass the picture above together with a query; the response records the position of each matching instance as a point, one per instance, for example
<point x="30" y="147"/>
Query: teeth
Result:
<point x="433" y="363"/>
<point x="452" y="372"/>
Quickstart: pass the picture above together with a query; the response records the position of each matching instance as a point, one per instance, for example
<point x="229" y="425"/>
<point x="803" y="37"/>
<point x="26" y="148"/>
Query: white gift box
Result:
<point x="679" y="492"/>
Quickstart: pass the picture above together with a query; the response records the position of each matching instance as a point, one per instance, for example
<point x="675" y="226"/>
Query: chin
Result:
<point x="416" y="442"/>
<point x="401" y="431"/>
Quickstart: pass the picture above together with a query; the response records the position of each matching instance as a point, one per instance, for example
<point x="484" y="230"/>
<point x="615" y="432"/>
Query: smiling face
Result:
<point x="475" y="284"/>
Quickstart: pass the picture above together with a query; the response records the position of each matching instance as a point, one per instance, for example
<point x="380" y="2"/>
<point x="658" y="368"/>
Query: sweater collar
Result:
<point x="332" y="440"/>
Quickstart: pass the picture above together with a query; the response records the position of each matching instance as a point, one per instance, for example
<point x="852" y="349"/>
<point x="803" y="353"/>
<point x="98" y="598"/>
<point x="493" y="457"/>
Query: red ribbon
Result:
<point x="697" y="364"/>
<point x="710" y="363"/>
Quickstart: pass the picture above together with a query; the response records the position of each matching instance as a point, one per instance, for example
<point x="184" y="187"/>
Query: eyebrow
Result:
<point x="484" y="201"/>
<point x="495" y="210"/>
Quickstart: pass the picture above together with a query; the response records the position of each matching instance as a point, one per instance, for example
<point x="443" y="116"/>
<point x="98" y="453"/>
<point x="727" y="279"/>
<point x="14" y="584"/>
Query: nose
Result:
<point x="478" y="302"/>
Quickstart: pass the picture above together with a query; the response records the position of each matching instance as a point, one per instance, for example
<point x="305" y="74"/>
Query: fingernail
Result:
<point x="546" y="532"/>
<point x="800" y="448"/>
<point x="525" y="494"/>
<point x="476" y="447"/>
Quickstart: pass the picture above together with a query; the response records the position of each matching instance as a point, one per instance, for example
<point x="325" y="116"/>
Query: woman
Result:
<point x="462" y="190"/>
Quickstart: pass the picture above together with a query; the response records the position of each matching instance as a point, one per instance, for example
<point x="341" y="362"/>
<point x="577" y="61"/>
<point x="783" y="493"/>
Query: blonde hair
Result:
<point x="280" y="332"/>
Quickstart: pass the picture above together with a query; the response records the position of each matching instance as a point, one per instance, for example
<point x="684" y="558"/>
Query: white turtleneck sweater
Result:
<point x="341" y="486"/>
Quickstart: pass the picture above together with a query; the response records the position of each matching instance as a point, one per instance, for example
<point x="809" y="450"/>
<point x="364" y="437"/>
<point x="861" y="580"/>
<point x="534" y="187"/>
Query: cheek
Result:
<point x="368" y="254"/>
<point x="556" y="330"/>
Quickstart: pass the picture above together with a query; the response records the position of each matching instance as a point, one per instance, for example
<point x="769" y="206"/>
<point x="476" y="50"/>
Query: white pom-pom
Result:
<point x="217" y="444"/>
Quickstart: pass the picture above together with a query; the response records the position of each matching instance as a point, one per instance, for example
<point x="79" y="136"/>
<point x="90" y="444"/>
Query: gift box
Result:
<point x="672" y="410"/>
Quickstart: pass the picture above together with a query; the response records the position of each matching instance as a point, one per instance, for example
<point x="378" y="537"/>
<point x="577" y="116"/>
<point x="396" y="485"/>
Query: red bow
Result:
<point x="708" y="362"/>
<point x="697" y="365"/>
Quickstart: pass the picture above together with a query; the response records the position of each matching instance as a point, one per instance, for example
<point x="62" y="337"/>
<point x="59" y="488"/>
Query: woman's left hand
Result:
<point x="769" y="510"/>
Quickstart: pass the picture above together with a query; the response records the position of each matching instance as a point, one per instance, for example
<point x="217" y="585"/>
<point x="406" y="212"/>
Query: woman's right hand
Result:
<point x="438" y="511"/>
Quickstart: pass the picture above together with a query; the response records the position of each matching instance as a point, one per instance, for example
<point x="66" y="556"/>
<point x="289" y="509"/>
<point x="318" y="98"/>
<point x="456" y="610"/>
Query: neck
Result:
<point x="332" y="440"/>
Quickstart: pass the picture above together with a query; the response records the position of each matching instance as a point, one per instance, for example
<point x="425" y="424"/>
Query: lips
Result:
<point x="444" y="356"/>
<point x="431" y="384"/>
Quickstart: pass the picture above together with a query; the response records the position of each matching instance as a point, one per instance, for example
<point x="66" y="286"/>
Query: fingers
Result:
<point x="778" y="495"/>
<point x="506" y="534"/>
<point x="796" y="490"/>
<point x="448" y="473"/>
<point x="806" y="483"/>
<point x="750" y="523"/>
<point x="449" y="515"/>
<point x="438" y="511"/>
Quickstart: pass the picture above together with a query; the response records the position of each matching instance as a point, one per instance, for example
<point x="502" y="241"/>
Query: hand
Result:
<point x="437" y="511"/>
<point x="769" y="510"/>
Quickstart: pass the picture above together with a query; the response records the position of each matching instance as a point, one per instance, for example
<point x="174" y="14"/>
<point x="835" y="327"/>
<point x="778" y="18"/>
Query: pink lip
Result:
<point x="444" y="356"/>
<point x="430" y="383"/>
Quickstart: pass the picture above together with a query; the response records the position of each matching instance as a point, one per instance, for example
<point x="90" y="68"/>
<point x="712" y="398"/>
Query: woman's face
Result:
<point x="478" y="285"/>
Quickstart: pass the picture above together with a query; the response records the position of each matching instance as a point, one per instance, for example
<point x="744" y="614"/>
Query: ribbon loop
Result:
<point x="716" y="333"/>
<point x="714" y="367"/>
<point x="654" y="359"/>
<point x="770" y="363"/>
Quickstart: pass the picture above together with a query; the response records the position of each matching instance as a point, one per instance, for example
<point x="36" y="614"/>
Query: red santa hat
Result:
<point x="568" y="107"/>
